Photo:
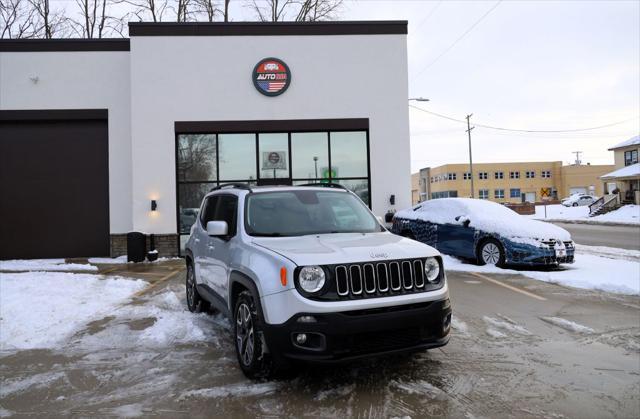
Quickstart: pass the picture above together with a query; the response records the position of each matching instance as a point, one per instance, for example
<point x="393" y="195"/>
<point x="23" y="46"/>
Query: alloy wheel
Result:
<point x="244" y="334"/>
<point x="490" y="254"/>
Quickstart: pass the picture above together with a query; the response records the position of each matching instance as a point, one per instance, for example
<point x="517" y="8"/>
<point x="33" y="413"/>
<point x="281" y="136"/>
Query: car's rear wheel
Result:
<point x="195" y="303"/>
<point x="253" y="356"/>
<point x="575" y="204"/>
<point x="491" y="252"/>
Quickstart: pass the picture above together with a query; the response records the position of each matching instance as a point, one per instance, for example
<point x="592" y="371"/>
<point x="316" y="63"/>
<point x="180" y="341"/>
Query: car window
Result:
<point x="208" y="210"/>
<point x="226" y="210"/>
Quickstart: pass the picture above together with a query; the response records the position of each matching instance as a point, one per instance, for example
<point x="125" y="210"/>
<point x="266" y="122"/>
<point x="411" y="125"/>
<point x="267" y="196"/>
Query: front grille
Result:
<point x="375" y="342"/>
<point x="381" y="279"/>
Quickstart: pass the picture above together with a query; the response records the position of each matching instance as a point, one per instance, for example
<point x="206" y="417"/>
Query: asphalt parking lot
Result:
<point x="520" y="348"/>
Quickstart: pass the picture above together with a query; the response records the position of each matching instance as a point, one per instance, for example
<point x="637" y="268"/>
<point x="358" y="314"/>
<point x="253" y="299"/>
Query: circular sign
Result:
<point x="274" y="158"/>
<point x="271" y="77"/>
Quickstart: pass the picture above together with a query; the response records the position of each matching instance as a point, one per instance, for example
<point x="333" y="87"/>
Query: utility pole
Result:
<point x="578" y="161"/>
<point x="469" y="128"/>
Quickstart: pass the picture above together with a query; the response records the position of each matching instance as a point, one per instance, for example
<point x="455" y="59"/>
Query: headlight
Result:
<point x="311" y="278"/>
<point x="431" y="269"/>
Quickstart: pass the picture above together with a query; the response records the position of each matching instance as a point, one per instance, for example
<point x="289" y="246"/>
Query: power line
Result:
<point x="524" y="130"/>
<point x="431" y="12"/>
<point x="459" y="39"/>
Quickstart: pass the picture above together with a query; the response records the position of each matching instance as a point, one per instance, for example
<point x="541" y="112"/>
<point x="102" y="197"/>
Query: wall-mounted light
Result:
<point x="392" y="199"/>
<point x="154" y="205"/>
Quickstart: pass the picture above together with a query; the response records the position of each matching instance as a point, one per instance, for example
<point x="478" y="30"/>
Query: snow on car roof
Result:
<point x="483" y="215"/>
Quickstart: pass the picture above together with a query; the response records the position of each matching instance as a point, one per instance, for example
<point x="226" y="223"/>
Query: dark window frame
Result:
<point x="232" y="127"/>
<point x="629" y="157"/>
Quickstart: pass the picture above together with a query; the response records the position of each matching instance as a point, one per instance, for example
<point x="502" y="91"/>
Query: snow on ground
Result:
<point x="114" y="261"/>
<point x="162" y="321"/>
<point x="568" y="325"/>
<point x="44" y="265"/>
<point x="628" y="214"/>
<point x="43" y="309"/>
<point x="610" y="252"/>
<point x="590" y="271"/>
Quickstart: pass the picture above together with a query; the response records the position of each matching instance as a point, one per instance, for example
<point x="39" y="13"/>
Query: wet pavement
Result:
<point x="514" y="352"/>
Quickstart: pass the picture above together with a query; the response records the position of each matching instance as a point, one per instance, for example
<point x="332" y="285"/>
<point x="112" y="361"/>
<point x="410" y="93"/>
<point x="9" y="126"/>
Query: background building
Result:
<point x="626" y="176"/>
<point x="93" y="133"/>
<point x="512" y="182"/>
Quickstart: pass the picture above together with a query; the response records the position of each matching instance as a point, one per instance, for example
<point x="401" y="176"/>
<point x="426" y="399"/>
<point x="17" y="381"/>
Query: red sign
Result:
<point x="271" y="77"/>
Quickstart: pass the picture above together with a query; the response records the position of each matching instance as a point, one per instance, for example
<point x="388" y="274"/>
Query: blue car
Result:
<point x="484" y="231"/>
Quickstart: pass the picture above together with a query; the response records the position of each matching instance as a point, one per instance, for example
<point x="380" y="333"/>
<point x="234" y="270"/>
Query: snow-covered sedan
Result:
<point x="484" y="231"/>
<point x="577" y="200"/>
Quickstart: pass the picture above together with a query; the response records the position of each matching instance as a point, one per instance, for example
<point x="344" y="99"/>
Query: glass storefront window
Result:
<point x="197" y="157"/>
<point x="237" y="153"/>
<point x="274" y="156"/>
<point x="349" y="154"/>
<point x="310" y="155"/>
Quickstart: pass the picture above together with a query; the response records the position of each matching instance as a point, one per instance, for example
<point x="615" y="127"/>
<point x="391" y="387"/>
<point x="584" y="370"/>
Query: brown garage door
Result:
<point x="54" y="184"/>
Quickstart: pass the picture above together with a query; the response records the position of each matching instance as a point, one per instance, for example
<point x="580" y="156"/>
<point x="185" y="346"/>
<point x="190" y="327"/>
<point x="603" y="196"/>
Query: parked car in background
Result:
<point x="188" y="216"/>
<point x="578" y="200"/>
<point x="484" y="231"/>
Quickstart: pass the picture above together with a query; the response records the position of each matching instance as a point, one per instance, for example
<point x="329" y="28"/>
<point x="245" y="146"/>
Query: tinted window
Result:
<point x="310" y="155"/>
<point x="227" y="211"/>
<point x="274" y="155"/>
<point x="197" y="157"/>
<point x="237" y="156"/>
<point x="209" y="211"/>
<point x="349" y="154"/>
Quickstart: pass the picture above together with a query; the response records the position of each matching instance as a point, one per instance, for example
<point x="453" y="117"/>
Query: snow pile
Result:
<point x="609" y="252"/>
<point x="588" y="271"/>
<point x="497" y="328"/>
<point x="44" y="265"/>
<point x="627" y="171"/>
<point x="162" y="321"/>
<point x="110" y="261"/>
<point x="627" y="214"/>
<point x="43" y="309"/>
<point x="626" y="143"/>
<point x="483" y="215"/>
<point x="568" y="325"/>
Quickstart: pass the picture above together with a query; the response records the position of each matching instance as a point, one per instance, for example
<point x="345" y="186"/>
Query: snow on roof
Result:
<point x="629" y="171"/>
<point x="631" y="141"/>
<point x="483" y="215"/>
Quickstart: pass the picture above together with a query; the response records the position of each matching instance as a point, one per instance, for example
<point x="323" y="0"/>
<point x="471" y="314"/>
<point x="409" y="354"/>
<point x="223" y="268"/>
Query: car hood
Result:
<point x="328" y="249"/>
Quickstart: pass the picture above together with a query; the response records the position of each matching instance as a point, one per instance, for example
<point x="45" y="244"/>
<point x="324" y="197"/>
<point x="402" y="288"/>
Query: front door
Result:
<point x="274" y="160"/>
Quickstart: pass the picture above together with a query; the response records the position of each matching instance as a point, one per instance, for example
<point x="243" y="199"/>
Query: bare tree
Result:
<point x="145" y="10"/>
<point x="17" y="19"/>
<point x="296" y="10"/>
<point x="49" y="23"/>
<point x="95" y="21"/>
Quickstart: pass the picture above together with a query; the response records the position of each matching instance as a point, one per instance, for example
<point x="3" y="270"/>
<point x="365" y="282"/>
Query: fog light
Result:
<point x="307" y="319"/>
<point x="301" y="338"/>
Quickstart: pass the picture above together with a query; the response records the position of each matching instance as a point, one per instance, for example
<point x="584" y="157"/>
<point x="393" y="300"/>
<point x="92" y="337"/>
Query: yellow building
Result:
<point x="626" y="176"/>
<point x="511" y="182"/>
<point x="415" y="188"/>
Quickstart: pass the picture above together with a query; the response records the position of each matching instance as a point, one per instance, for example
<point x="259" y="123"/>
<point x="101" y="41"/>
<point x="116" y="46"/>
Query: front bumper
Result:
<point x="348" y="335"/>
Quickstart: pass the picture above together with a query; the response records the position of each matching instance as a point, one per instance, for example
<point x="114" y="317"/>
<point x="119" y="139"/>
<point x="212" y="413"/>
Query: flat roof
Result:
<point x="345" y="27"/>
<point x="71" y="44"/>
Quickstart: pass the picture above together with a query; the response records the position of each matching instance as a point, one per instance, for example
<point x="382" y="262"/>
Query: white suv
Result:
<point x="307" y="273"/>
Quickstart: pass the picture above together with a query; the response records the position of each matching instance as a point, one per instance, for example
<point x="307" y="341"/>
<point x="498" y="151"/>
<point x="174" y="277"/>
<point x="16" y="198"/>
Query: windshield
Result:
<point x="301" y="212"/>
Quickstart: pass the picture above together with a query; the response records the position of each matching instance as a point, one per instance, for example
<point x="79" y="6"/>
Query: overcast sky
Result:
<point x="539" y="65"/>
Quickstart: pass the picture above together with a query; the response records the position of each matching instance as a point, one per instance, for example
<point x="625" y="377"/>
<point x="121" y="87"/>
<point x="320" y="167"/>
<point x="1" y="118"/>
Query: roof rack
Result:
<point x="236" y="185"/>
<point x="326" y="185"/>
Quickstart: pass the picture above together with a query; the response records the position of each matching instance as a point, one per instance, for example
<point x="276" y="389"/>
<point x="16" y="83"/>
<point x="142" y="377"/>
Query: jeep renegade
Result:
<point x="308" y="273"/>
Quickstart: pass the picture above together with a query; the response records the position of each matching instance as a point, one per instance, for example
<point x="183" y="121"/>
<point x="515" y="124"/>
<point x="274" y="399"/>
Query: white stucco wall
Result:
<point x="79" y="80"/>
<point x="208" y="78"/>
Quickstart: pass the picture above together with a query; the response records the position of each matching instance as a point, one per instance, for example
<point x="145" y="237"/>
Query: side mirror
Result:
<point x="463" y="220"/>
<point x="466" y="222"/>
<point x="217" y="228"/>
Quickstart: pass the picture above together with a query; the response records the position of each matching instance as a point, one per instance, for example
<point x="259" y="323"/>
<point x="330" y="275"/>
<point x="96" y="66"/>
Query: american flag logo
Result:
<point x="271" y="86"/>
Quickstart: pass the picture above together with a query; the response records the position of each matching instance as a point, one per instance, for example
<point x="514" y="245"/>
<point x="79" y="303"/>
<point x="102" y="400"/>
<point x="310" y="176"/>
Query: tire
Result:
<point x="491" y="252"/>
<point x="195" y="303"/>
<point x="575" y="204"/>
<point x="253" y="355"/>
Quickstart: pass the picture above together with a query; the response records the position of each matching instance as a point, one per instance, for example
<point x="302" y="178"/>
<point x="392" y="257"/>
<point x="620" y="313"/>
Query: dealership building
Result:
<point x="99" y="138"/>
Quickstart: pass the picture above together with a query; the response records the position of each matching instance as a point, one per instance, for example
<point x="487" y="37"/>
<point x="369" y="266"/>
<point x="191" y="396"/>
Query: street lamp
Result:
<point x="315" y="162"/>
<point x="419" y="99"/>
